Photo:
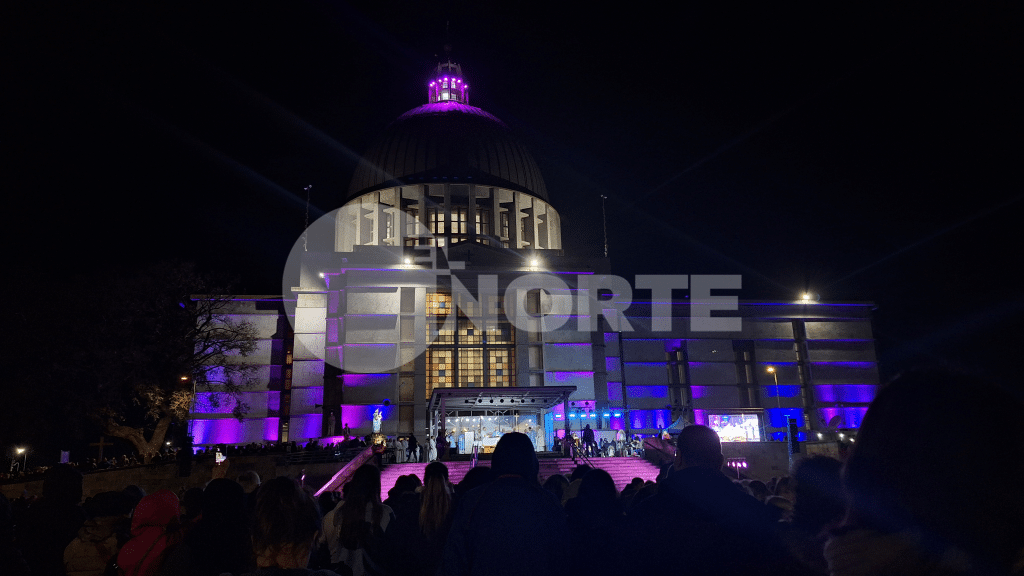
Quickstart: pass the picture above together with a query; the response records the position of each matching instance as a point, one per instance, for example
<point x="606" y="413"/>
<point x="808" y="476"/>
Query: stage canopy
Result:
<point x="510" y="398"/>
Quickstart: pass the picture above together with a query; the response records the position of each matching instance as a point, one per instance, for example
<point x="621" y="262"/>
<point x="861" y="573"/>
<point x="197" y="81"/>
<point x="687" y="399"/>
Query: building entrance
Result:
<point x="483" y="429"/>
<point x="478" y="417"/>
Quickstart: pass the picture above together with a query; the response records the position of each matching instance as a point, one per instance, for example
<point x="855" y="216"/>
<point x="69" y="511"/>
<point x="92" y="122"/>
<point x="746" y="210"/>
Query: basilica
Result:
<point x="438" y="297"/>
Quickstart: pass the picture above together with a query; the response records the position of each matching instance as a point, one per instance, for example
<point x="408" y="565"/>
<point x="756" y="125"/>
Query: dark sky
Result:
<point x="861" y="151"/>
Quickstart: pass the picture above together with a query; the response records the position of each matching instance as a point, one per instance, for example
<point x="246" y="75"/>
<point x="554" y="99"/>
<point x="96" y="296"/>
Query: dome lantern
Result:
<point x="448" y="85"/>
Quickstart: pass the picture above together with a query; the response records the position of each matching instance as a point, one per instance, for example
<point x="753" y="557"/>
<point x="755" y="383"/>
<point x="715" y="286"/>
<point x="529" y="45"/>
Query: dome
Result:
<point x="447" y="141"/>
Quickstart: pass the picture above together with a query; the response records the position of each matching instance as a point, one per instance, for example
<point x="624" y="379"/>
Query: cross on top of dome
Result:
<point x="447" y="84"/>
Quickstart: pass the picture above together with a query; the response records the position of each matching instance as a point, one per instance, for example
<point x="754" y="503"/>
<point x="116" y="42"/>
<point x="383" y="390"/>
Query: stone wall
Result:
<point x="768" y="459"/>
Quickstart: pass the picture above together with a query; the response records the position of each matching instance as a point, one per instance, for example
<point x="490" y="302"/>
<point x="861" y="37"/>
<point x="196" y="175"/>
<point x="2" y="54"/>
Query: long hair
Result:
<point x="363" y="491"/>
<point x="286" y="515"/>
<point x="435" y="501"/>
<point x="940" y="453"/>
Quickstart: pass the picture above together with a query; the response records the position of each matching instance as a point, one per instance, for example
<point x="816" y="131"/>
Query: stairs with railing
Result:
<point x="621" y="469"/>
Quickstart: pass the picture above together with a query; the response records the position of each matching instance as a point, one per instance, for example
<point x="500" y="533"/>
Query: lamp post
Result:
<point x="192" y="408"/>
<point x="785" y="419"/>
<point x="24" y="463"/>
<point x="771" y="370"/>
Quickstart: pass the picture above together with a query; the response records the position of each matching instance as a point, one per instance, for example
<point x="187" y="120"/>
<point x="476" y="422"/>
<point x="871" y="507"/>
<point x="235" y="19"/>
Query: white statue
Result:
<point x="377" y="418"/>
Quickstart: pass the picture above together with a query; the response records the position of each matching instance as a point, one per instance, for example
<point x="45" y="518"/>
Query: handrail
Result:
<point x="476" y="456"/>
<point x="342" y="476"/>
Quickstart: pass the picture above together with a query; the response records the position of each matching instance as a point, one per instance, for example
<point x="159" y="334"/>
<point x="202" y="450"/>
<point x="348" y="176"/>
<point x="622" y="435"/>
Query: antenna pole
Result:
<point x="305" y="231"/>
<point x="604" y="224"/>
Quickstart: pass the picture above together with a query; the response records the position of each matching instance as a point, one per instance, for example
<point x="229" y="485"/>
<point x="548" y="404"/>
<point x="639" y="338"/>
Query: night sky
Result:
<point x="860" y="151"/>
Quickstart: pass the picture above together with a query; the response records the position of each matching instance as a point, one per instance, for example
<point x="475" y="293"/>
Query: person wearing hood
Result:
<point x="509" y="526"/>
<point x="156" y="530"/>
<point x="100" y="537"/>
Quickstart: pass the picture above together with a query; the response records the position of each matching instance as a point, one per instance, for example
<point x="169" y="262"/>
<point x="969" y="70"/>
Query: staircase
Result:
<point x="621" y="469"/>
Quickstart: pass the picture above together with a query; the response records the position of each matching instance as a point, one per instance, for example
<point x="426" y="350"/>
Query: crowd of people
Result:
<point x="585" y="444"/>
<point x="19" y="471"/>
<point x="895" y="507"/>
<point x="172" y="454"/>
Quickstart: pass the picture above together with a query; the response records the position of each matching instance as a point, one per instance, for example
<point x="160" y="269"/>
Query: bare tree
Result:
<point x="171" y="334"/>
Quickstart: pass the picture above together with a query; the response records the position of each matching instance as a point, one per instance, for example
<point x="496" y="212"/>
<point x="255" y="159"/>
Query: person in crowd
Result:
<point x="414" y="449"/>
<point x="575" y="477"/>
<point x="403" y="498"/>
<point x="646" y="491"/>
<point x="701" y="516"/>
<point x="589" y="444"/>
<point x="391" y="450"/>
<point x="102" y="535"/>
<point x="156" y="530"/>
<point x="220" y="541"/>
<point x="933" y="482"/>
<point x="355" y="531"/>
<point x="481" y="540"/>
<point x="818" y="508"/>
<point x="758" y="489"/>
<point x="402" y="452"/>
<point x="11" y="559"/>
<point x="284" y="529"/>
<point x="53" y="521"/>
<point x="250" y="483"/>
<point x="594" y="519"/>
<point x="557" y="485"/>
<point x="418" y="536"/>
<point x="476" y="477"/>
<point x="431" y="449"/>
<point x="134" y="493"/>
<point x="191" y="505"/>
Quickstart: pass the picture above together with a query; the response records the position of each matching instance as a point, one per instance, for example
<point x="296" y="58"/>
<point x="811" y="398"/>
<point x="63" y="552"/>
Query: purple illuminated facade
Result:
<point x="360" y="328"/>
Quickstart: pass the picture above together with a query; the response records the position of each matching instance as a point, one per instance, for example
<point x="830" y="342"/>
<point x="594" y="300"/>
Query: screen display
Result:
<point x="736" y="427"/>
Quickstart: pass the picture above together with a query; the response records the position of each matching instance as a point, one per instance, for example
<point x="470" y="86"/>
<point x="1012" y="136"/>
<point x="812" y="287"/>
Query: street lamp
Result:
<point x="24" y="464"/>
<point x="772" y="371"/>
<point x="192" y="408"/>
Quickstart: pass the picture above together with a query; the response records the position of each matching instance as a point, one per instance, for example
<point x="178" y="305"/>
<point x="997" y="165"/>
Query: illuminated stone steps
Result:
<point x="621" y="469"/>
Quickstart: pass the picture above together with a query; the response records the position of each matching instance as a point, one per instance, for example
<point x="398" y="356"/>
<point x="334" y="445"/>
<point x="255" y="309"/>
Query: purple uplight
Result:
<point x="651" y="392"/>
<point x="782" y="391"/>
<point x="615" y="391"/>
<point x="850" y="417"/>
<point x="777" y="416"/>
<point x="845" y="393"/>
<point x="360" y="417"/>
<point x="231" y="431"/>
<point x="700" y="417"/>
<point x="568" y="376"/>
<point x="366" y="379"/>
<point x="213" y="403"/>
<point x="306" y="426"/>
